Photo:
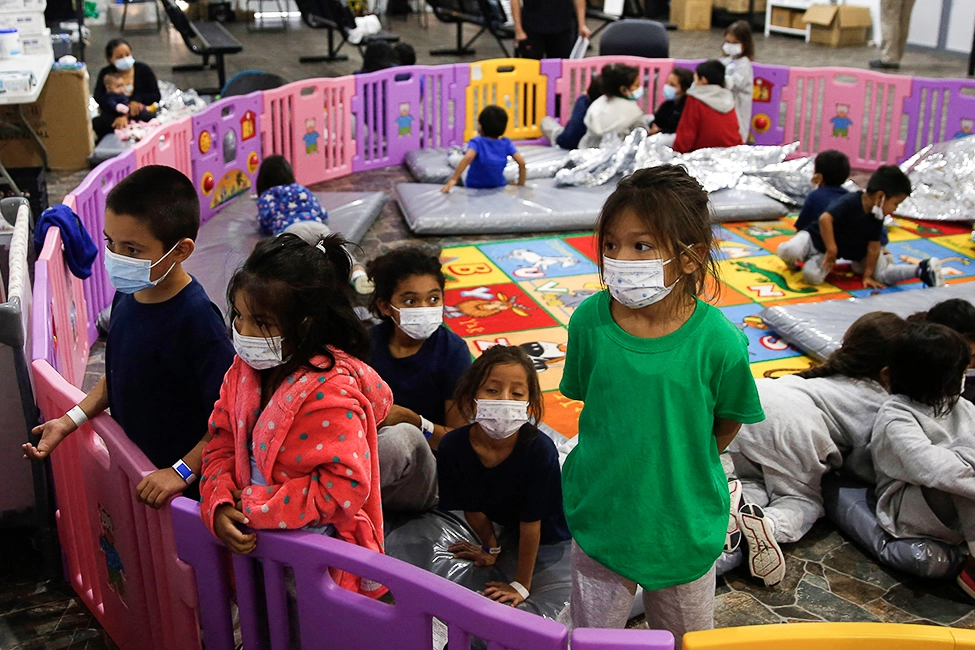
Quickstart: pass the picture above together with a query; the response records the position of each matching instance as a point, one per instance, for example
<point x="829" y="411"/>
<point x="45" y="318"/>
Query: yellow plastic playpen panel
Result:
<point x="832" y="636"/>
<point x="517" y="86"/>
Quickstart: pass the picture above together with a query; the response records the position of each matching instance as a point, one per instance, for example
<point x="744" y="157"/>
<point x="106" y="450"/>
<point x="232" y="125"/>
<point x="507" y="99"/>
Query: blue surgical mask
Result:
<point x="670" y="93"/>
<point x="130" y="274"/>
<point x="125" y="63"/>
<point x="637" y="94"/>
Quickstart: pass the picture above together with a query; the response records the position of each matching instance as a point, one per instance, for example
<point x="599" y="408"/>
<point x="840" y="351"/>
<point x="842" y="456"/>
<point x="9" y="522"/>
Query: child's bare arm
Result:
<point x="529" y="537"/>
<point x="53" y="432"/>
<point x="461" y="166"/>
<point x="155" y="489"/>
<point x="870" y="265"/>
<point x="724" y="432"/>
<point x="829" y="241"/>
<point x="522" y="169"/>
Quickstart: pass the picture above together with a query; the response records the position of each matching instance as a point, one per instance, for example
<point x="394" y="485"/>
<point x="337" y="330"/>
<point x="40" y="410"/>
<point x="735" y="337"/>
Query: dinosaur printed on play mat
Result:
<point x="113" y="561"/>
<point x="775" y="278"/>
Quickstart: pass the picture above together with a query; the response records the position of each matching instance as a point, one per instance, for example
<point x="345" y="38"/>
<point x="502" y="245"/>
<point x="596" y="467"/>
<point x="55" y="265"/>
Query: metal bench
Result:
<point x="334" y="16"/>
<point x="206" y="39"/>
<point x="486" y="14"/>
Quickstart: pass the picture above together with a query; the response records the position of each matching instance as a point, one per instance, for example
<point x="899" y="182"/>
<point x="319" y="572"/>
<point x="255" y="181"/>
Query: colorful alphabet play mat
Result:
<point x="522" y="292"/>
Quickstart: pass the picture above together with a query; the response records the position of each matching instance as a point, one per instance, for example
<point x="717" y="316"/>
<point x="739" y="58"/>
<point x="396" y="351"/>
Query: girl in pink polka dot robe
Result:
<point x="294" y="429"/>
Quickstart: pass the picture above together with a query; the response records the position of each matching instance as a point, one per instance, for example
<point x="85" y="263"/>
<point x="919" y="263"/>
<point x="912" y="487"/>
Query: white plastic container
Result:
<point x="9" y="43"/>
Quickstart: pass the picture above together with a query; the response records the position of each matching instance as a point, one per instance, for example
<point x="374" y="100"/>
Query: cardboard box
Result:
<point x="781" y="17"/>
<point x="28" y="24"/>
<point x="837" y="25"/>
<point x="16" y="83"/>
<point x="741" y="6"/>
<point x="799" y="19"/>
<point x="60" y="118"/>
<point x="691" y="15"/>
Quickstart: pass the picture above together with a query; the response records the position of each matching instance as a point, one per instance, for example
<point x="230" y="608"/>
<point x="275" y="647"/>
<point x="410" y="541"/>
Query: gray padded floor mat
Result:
<point x="227" y="239"/>
<point x="107" y="148"/>
<point x="818" y="328"/>
<point x="852" y="506"/>
<point x="432" y="165"/>
<point x="542" y="206"/>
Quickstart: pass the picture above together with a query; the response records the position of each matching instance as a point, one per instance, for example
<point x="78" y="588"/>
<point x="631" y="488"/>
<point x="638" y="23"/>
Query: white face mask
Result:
<point x="636" y="95"/>
<point x="501" y="418"/>
<point x="732" y="49"/>
<point x="878" y="210"/>
<point x="419" y="322"/>
<point x="636" y="283"/>
<point x="258" y="352"/>
<point x="670" y="93"/>
<point x="125" y="63"/>
<point x="130" y="274"/>
<point x="128" y="89"/>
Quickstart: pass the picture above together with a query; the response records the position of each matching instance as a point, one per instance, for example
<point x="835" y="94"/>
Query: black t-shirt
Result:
<point x="817" y="203"/>
<point x="526" y="486"/>
<point x="424" y="381"/>
<point x="164" y="364"/>
<point x="853" y="228"/>
<point x="667" y="116"/>
<point x="547" y="16"/>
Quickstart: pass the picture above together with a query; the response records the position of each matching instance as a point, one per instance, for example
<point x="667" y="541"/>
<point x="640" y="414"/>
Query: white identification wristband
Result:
<point x="517" y="586"/>
<point x="77" y="415"/>
<point x="426" y="426"/>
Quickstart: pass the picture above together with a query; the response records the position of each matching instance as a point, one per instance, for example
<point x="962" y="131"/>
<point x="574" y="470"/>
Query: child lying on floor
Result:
<point x="487" y="154"/>
<point x="958" y="315"/>
<point x="853" y="230"/>
<point x="815" y="422"/>
<point x="923" y="443"/>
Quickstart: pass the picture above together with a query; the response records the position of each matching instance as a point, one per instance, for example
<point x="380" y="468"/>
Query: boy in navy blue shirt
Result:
<point x="852" y="229"/>
<point x="487" y="153"/>
<point x="168" y="347"/>
<point x="831" y="170"/>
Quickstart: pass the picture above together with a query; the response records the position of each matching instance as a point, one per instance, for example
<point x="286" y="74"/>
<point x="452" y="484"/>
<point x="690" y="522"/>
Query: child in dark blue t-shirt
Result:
<point x="501" y="469"/>
<point x="831" y="169"/>
<point x="487" y="154"/>
<point x="568" y="136"/>
<point x="168" y="347"/>
<point x="421" y="360"/>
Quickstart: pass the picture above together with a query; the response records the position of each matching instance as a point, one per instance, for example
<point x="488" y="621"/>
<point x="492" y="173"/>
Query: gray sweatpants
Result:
<point x="602" y="598"/>
<point x="800" y="249"/>
<point x="551" y="129"/>
<point x="310" y="231"/>
<point x="407" y="469"/>
<point x="792" y="505"/>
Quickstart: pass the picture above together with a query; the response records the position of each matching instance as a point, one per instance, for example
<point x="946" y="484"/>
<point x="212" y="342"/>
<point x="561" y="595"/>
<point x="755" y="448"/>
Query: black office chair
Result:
<point x="248" y="81"/>
<point x="334" y="16"/>
<point x="635" y="37"/>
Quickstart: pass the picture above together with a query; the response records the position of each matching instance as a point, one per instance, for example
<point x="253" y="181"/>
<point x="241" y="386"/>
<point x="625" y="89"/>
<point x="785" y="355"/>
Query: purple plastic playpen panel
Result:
<point x="770" y="80"/>
<point x="168" y="145"/>
<point x="120" y="555"/>
<point x="89" y="200"/>
<point x="309" y="122"/>
<point x="551" y="68"/>
<point x="400" y="109"/>
<point x="42" y="327"/>
<point x="599" y="639"/>
<point x="331" y="617"/>
<point x="938" y="110"/>
<point x="577" y="73"/>
<point x="855" y="111"/>
<point x="226" y="151"/>
<point x="68" y="314"/>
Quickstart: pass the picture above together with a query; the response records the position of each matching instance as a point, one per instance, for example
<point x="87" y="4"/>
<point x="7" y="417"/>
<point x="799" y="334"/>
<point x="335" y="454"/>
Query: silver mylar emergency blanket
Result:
<point x="943" y="177"/>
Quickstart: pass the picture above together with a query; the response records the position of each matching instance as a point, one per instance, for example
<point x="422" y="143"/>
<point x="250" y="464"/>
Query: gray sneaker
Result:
<point x="930" y="273"/>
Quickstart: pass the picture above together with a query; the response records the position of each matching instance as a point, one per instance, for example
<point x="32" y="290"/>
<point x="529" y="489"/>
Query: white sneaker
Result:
<point x="765" y="559"/>
<point x="930" y="273"/>
<point x="733" y="539"/>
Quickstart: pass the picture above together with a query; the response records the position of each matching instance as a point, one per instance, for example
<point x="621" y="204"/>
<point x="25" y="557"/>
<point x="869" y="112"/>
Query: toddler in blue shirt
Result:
<point x="487" y="153"/>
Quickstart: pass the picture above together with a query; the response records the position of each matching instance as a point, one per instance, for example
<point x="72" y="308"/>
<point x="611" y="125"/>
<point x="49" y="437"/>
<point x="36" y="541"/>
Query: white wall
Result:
<point x="926" y="22"/>
<point x="960" y="26"/>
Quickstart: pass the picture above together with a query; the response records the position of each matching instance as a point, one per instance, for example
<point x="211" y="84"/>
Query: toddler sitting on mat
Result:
<point x="487" y="154"/>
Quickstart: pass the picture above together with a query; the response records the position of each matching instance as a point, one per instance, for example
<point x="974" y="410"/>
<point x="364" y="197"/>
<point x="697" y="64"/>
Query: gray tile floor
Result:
<point x="829" y="578"/>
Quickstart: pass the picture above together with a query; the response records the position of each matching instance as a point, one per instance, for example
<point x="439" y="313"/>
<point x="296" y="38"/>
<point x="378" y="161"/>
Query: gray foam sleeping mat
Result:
<point x="542" y="206"/>
<point x="228" y="238"/>
<point x="818" y="328"/>
<point x="434" y="165"/>
<point x="852" y="506"/>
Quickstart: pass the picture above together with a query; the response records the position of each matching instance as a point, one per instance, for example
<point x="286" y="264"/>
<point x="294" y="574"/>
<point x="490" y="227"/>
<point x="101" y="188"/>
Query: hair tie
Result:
<point x="321" y="246"/>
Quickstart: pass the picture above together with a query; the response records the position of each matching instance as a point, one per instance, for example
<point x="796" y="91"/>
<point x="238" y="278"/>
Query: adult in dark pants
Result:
<point x="547" y="29"/>
<point x="140" y="86"/>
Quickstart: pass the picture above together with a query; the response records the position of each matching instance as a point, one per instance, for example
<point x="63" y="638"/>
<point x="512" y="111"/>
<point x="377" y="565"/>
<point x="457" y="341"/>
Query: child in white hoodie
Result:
<point x="618" y="110"/>
<point x="923" y="443"/>
<point x="739" y="50"/>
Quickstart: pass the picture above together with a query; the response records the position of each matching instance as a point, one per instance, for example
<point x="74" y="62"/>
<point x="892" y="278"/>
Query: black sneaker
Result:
<point x="877" y="64"/>
<point x="930" y="273"/>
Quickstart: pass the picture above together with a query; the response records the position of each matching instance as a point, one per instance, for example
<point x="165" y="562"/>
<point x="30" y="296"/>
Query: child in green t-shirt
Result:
<point x="666" y="385"/>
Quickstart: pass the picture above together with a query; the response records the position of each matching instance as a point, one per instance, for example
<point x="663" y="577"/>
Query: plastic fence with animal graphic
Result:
<point x="523" y="292"/>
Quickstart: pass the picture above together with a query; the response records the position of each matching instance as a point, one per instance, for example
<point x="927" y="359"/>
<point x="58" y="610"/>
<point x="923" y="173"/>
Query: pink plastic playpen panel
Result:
<point x="89" y="200"/>
<point x="226" y="150"/>
<point x="331" y="617"/>
<point x="855" y="111"/>
<point x="577" y="73"/>
<point x="400" y="109"/>
<point x="120" y="555"/>
<point x="68" y="311"/>
<point x="939" y="110"/>
<point x="309" y="122"/>
<point x="169" y="145"/>
<point x="770" y="81"/>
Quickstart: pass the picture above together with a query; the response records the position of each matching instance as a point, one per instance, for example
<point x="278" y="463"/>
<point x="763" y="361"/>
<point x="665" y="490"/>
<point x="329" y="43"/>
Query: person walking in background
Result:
<point x="547" y="29"/>
<point x="895" y="22"/>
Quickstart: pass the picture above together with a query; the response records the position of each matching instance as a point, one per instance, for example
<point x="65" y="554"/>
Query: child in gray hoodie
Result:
<point x="709" y="118"/>
<point x="923" y="443"/>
